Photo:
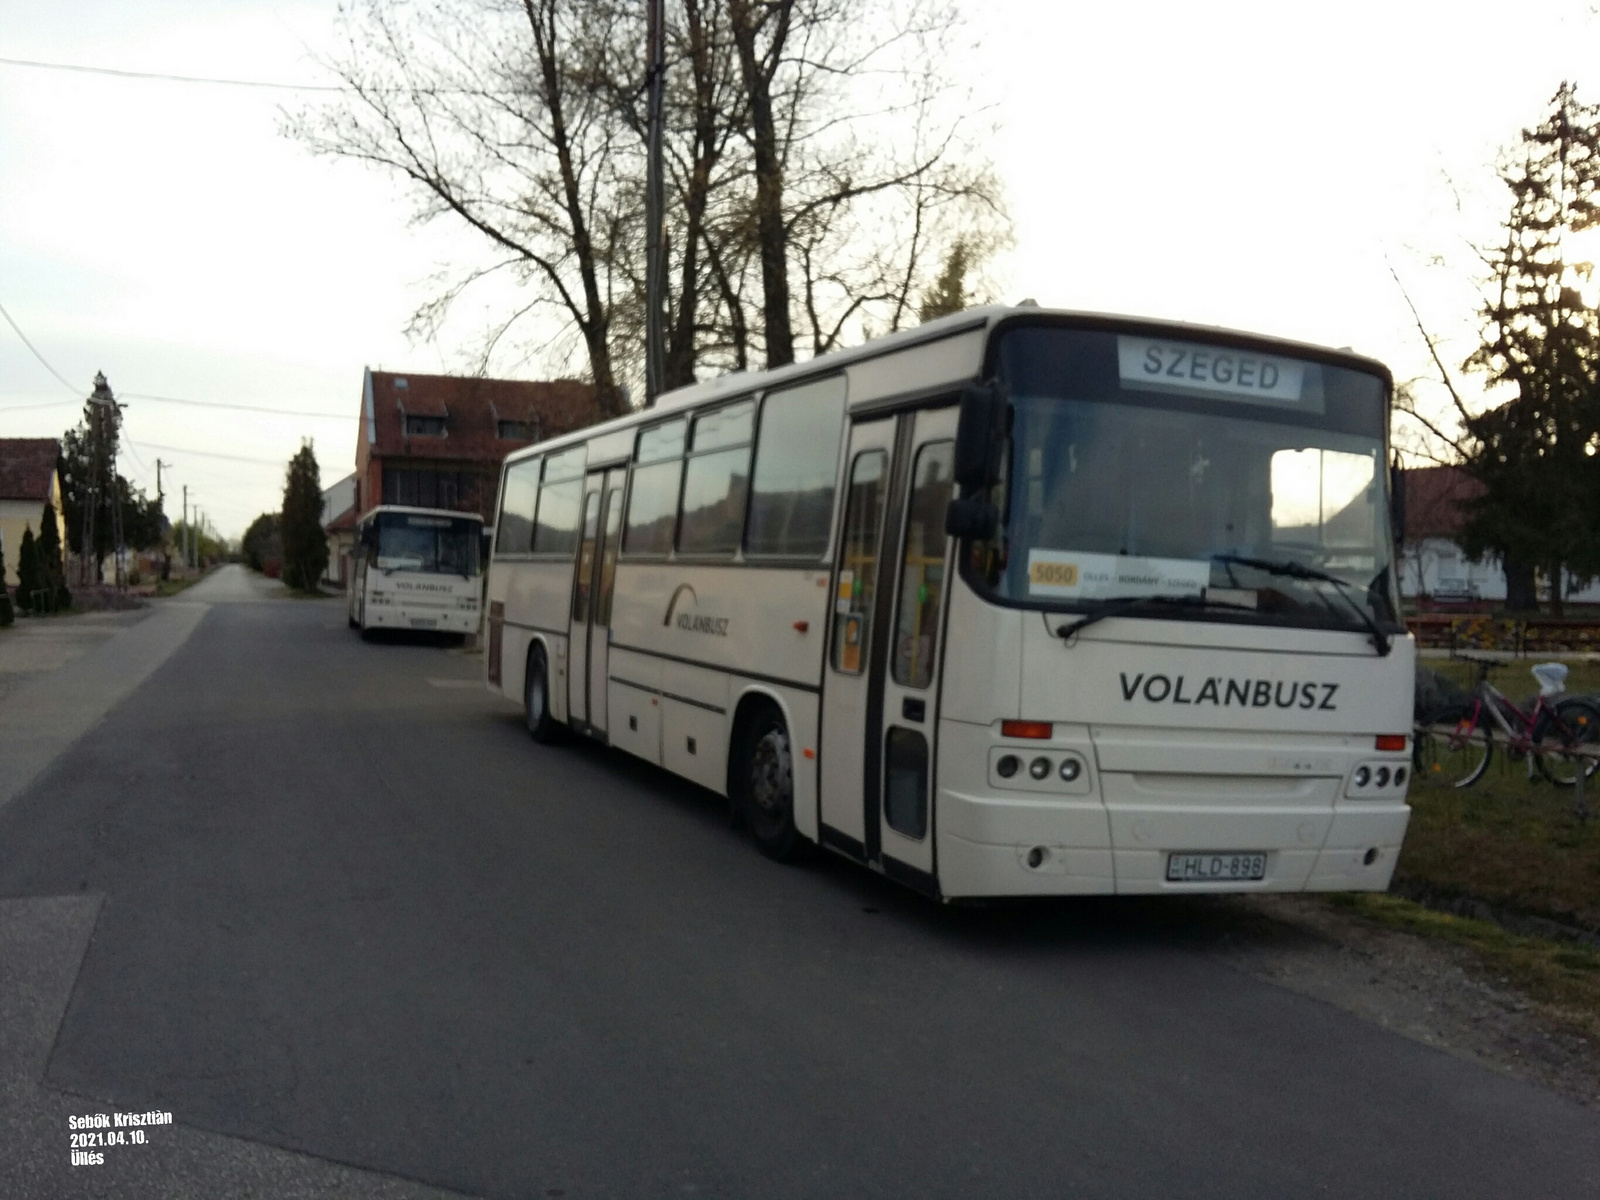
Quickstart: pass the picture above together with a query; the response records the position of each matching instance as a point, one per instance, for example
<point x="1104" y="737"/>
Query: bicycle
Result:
<point x="1560" y="737"/>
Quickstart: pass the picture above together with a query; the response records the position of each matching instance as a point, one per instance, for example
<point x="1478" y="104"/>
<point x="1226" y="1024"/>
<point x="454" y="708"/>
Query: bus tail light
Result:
<point x="1391" y="741"/>
<point x="1025" y="729"/>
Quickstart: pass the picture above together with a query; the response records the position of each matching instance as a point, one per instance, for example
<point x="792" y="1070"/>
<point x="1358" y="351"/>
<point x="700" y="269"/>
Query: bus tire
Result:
<point x="763" y="774"/>
<point x="544" y="728"/>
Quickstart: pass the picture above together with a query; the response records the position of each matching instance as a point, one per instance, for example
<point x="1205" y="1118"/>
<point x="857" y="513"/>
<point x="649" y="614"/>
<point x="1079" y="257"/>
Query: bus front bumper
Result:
<point x="439" y="621"/>
<point x="1003" y="846"/>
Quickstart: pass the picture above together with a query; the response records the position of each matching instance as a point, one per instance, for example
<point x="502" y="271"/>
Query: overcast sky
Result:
<point x="1255" y="166"/>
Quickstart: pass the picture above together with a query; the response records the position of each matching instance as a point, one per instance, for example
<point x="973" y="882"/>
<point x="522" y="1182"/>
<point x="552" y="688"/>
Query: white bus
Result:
<point x="1017" y="602"/>
<point x="416" y="568"/>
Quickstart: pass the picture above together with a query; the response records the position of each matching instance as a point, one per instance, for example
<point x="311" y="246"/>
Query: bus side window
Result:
<point x="716" y="477"/>
<point x="797" y="464"/>
<point x="653" y="495"/>
<point x="518" y="496"/>
<point x="916" y="634"/>
<point x="555" y="530"/>
<point x="858" y="561"/>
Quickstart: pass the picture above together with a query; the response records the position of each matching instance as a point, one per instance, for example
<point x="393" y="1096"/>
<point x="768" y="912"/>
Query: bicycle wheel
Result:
<point x="1576" y="727"/>
<point x="1459" y="756"/>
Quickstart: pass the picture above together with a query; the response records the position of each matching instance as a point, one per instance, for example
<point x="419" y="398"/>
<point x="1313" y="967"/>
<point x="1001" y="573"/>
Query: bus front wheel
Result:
<point x="536" y="699"/>
<point x="764" y="776"/>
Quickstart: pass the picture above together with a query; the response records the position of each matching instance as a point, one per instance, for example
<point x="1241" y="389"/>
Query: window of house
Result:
<point x="653" y="496"/>
<point x="797" y="462"/>
<point x="522" y="431"/>
<point x="716" y="480"/>
<point x="426" y="487"/>
<point x="424" y="426"/>
<point x="555" y="530"/>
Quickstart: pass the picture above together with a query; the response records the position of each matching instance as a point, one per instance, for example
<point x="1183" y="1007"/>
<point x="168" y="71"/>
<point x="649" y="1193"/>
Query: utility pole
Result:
<point x="184" y="548"/>
<point x="654" y="204"/>
<point x="161" y="496"/>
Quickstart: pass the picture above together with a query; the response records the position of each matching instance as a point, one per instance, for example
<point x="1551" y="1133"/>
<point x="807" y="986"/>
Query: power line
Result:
<point x="81" y="69"/>
<point x="17" y="329"/>
<point x="265" y="84"/>
<point x="266" y="462"/>
<point x="260" y="408"/>
<point x="11" y="408"/>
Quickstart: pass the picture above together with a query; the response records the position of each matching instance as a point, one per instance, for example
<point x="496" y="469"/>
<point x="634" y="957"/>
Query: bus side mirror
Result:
<point x="971" y="517"/>
<point x="980" y="437"/>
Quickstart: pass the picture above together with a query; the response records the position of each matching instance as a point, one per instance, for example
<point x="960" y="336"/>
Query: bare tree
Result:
<point x="493" y="111"/>
<point x="807" y="140"/>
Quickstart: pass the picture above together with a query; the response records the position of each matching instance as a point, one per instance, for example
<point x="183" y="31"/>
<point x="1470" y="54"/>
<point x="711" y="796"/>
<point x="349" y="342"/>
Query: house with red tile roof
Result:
<point x="437" y="441"/>
<point x="1433" y="563"/>
<point x="29" y="480"/>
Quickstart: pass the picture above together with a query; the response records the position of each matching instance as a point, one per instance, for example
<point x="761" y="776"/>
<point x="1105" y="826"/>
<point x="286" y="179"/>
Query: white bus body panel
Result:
<point x="537" y="594"/>
<point x="690" y="642"/>
<point x="1260" y="766"/>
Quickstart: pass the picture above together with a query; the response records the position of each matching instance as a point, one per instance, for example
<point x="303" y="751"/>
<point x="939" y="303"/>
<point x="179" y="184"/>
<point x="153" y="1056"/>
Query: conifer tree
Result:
<point x="305" y="546"/>
<point x="6" y="614"/>
<point x="27" y="570"/>
<point x="52" y="571"/>
<point x="948" y="293"/>
<point x="1535" y="453"/>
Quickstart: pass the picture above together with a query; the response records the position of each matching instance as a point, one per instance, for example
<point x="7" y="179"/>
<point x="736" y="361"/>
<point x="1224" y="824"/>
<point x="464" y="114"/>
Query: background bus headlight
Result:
<point x="1008" y="766"/>
<point x="1071" y="768"/>
<point x="1363" y="776"/>
<point x="1039" y="768"/>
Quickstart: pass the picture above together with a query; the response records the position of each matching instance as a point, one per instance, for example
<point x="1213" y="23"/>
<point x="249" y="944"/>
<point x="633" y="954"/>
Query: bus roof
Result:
<point x="964" y="336"/>
<point x="421" y="512"/>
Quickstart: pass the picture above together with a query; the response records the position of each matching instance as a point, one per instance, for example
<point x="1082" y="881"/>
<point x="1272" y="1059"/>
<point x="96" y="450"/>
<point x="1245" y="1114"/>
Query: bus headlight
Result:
<point x="1007" y="766"/>
<point x="1071" y="768"/>
<point x="1363" y="776"/>
<point x="1039" y="768"/>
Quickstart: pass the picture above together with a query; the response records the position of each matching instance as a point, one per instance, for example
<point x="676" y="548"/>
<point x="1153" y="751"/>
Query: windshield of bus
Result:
<point x="430" y="545"/>
<point x="1245" y="485"/>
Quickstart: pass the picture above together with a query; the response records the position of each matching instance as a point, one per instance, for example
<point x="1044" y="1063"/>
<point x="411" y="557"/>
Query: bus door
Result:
<point x="913" y="584"/>
<point x="879" y="703"/>
<point x="593" y="583"/>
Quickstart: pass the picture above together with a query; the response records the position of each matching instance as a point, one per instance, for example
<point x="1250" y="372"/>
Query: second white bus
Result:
<point x="1018" y="602"/>
<point x="417" y="569"/>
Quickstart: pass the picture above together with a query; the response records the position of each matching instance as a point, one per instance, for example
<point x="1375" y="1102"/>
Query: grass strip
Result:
<point x="1562" y="977"/>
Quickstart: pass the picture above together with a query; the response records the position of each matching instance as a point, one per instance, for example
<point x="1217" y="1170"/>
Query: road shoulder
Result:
<point x="52" y="710"/>
<point x="1433" y="992"/>
<point x="42" y="942"/>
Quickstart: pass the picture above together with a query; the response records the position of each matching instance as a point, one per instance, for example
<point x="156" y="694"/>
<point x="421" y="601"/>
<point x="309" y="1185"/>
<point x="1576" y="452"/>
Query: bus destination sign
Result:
<point x="1155" y="364"/>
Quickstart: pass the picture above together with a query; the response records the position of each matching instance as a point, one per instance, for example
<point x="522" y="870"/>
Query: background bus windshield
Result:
<point x="432" y="545"/>
<point x="1144" y="467"/>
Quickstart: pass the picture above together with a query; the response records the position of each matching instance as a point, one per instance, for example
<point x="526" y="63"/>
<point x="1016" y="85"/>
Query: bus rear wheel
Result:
<point x="536" y="699"/>
<point x="764" y="776"/>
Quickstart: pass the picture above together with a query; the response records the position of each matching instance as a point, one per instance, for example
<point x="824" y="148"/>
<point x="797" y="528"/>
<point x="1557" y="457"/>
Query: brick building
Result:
<point x="437" y="441"/>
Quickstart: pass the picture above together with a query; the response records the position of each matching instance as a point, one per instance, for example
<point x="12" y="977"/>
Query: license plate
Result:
<point x="423" y="623"/>
<point x="1216" y="865"/>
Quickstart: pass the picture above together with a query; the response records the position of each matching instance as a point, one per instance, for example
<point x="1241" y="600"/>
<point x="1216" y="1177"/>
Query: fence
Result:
<point x="1519" y="636"/>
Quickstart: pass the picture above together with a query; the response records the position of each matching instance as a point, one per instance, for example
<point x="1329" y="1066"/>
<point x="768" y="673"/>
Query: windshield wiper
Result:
<point x="1115" y="606"/>
<point x="1293" y="570"/>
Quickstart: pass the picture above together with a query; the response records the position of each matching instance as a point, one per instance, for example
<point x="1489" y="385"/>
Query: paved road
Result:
<point x="351" y="910"/>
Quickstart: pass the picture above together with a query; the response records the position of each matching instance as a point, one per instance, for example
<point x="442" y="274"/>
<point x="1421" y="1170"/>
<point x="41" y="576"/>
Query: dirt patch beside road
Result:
<point x="35" y="646"/>
<point x="1430" y="991"/>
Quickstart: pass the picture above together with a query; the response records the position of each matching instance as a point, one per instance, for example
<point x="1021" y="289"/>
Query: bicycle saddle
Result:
<point x="1552" y="678"/>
